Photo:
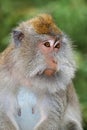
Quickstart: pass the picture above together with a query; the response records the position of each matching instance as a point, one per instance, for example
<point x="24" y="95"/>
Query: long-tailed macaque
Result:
<point x="39" y="58"/>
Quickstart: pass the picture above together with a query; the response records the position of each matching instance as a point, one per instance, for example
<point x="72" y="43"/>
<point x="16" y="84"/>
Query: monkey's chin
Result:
<point x="49" y="72"/>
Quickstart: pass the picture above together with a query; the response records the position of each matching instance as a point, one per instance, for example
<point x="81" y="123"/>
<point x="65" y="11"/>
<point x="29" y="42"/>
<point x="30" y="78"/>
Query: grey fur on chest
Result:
<point x="32" y="104"/>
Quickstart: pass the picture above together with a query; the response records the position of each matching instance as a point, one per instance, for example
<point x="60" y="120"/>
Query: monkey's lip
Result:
<point x="49" y="71"/>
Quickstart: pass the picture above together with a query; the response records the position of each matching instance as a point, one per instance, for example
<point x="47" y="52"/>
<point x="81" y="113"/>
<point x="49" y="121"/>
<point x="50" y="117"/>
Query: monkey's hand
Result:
<point x="12" y="109"/>
<point x="47" y="125"/>
<point x="6" y="123"/>
<point x="72" y="116"/>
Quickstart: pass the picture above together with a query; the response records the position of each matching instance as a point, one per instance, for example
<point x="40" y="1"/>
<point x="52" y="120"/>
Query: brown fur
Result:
<point x="44" y="24"/>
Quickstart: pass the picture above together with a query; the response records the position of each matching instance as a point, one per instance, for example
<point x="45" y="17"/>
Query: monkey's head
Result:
<point x="43" y="48"/>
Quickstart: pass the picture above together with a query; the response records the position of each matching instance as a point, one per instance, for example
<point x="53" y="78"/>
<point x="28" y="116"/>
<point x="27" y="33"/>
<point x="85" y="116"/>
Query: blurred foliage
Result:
<point x="70" y="16"/>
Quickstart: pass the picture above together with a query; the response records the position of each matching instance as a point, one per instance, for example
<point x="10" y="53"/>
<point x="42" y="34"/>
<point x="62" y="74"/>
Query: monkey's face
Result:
<point x="41" y="56"/>
<point x="45" y="50"/>
<point x="54" y="56"/>
<point x="49" y="49"/>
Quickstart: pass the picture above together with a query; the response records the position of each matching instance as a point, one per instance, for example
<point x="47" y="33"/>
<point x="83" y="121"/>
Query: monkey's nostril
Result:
<point x="54" y="61"/>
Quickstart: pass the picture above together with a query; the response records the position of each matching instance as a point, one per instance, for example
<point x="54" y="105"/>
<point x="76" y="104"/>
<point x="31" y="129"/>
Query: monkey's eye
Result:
<point x="58" y="45"/>
<point x="47" y="44"/>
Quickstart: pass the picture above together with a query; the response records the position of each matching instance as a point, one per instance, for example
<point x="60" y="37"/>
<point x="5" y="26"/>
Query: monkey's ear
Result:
<point x="17" y="36"/>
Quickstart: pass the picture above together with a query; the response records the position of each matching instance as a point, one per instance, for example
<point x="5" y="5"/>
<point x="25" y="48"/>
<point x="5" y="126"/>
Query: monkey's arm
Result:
<point x="5" y="123"/>
<point x="8" y="109"/>
<point x="72" y="119"/>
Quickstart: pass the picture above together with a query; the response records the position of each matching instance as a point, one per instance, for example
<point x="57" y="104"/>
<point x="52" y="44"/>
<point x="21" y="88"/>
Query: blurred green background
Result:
<point x="69" y="15"/>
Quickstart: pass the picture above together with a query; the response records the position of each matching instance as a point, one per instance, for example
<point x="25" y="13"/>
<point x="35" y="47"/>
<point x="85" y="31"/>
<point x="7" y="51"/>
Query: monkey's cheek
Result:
<point x="49" y="72"/>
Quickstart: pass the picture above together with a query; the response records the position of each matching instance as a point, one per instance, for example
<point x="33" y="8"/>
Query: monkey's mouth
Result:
<point x="47" y="72"/>
<point x="43" y="70"/>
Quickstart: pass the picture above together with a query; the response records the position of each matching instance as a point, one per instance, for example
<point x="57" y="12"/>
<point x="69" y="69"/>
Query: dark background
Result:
<point x="69" y="15"/>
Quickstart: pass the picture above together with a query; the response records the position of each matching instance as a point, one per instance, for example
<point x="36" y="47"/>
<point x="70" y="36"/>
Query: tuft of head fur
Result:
<point x="44" y="24"/>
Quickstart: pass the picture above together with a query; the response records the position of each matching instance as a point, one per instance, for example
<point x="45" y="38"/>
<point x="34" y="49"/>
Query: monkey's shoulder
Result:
<point x="5" y="55"/>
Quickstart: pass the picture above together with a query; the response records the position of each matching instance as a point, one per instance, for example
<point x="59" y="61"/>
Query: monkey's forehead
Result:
<point x="44" y="24"/>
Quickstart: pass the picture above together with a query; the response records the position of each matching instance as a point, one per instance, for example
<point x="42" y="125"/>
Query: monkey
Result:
<point x="40" y="58"/>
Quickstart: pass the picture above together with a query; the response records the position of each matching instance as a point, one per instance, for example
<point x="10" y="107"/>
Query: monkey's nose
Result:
<point x="54" y="61"/>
